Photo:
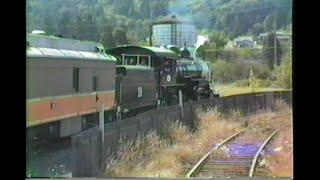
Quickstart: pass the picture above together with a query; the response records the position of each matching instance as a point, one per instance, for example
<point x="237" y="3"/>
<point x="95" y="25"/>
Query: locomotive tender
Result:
<point x="71" y="81"/>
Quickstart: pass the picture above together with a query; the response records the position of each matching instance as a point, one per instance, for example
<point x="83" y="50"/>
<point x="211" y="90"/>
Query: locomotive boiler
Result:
<point x="195" y="74"/>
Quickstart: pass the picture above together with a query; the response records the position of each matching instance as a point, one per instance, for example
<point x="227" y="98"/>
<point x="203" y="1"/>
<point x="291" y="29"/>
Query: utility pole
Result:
<point x="101" y="123"/>
<point x="275" y="38"/>
<point x="181" y="103"/>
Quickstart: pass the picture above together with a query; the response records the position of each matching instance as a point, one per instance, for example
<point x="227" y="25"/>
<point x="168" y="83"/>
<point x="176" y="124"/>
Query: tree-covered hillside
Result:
<point x="238" y="17"/>
<point x="115" y="22"/>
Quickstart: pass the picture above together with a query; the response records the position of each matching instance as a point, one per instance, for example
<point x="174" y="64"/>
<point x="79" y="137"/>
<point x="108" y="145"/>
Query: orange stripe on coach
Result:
<point x="53" y="109"/>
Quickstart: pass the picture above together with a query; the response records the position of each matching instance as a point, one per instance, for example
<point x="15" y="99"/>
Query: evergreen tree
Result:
<point x="120" y="36"/>
<point x="257" y="29"/>
<point x="65" y="22"/>
<point x="268" y="50"/>
<point x="145" y="9"/>
<point x="123" y="8"/>
<point x="159" y="8"/>
<point x="218" y="39"/>
<point x="107" y="37"/>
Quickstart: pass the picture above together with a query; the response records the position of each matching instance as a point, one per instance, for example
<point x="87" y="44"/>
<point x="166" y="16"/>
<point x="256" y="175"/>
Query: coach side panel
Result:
<point x="59" y="89"/>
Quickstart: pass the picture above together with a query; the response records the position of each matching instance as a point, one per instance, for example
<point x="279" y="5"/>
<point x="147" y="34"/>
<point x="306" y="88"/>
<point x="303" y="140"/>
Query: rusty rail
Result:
<point x="254" y="161"/>
<point x="196" y="168"/>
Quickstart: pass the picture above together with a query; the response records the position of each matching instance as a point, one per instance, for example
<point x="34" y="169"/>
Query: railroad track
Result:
<point x="243" y="151"/>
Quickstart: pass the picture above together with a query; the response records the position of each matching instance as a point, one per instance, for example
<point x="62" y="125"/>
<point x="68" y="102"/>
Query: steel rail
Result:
<point x="254" y="161"/>
<point x="204" y="158"/>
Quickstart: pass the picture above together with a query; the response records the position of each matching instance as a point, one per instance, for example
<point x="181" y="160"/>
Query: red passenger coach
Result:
<point x="68" y="83"/>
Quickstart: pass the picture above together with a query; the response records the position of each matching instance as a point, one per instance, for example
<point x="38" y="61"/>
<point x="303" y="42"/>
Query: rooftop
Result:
<point x="157" y="51"/>
<point x="172" y="19"/>
<point x="47" y="41"/>
<point x="243" y="38"/>
<point x="40" y="45"/>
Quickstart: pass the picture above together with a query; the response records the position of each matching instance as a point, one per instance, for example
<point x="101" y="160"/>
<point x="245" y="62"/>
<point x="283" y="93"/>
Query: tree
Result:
<point x="218" y="39"/>
<point x="268" y="50"/>
<point x="65" y="22"/>
<point x="133" y="39"/>
<point x="269" y="23"/>
<point x="107" y="37"/>
<point x="284" y="72"/>
<point x="124" y="7"/>
<point x="145" y="9"/>
<point x="120" y="36"/>
<point x="201" y="51"/>
<point x="159" y="8"/>
<point x="257" y="29"/>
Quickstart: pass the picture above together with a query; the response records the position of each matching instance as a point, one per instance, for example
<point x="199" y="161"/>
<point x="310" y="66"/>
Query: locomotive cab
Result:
<point x="154" y="68"/>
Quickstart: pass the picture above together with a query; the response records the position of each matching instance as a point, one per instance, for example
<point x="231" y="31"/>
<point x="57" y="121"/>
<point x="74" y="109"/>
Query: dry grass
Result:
<point x="175" y="153"/>
<point x="280" y="163"/>
<point x="228" y="90"/>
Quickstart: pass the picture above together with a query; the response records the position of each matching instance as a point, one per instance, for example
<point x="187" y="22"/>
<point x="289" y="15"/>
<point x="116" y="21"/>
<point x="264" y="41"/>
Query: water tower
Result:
<point x="173" y="31"/>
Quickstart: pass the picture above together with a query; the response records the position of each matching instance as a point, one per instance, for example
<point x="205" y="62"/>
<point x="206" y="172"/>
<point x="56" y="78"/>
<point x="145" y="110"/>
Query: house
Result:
<point x="244" y="42"/>
<point x="283" y="37"/>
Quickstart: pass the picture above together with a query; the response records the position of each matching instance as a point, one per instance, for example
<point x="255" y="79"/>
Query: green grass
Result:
<point x="227" y="90"/>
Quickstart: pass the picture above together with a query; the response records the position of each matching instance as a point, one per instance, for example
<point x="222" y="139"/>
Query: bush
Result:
<point x="224" y="71"/>
<point x="229" y="55"/>
<point x="242" y="83"/>
<point x="262" y="83"/>
<point x="257" y="83"/>
<point x="249" y="54"/>
<point x="261" y="71"/>
<point x="283" y="73"/>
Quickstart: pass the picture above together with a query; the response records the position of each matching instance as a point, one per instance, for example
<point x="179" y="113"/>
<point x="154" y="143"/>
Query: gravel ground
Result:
<point x="50" y="159"/>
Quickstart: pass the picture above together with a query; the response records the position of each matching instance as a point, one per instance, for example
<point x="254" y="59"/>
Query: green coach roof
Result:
<point x="67" y="54"/>
<point x="51" y="46"/>
<point x="156" y="51"/>
<point x="46" y="41"/>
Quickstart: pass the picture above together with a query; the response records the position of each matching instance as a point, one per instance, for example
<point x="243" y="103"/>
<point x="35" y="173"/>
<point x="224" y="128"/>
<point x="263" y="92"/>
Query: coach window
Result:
<point x="76" y="79"/>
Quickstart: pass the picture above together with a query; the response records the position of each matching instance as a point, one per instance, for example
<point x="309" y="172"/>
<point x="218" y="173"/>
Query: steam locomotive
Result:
<point x="71" y="82"/>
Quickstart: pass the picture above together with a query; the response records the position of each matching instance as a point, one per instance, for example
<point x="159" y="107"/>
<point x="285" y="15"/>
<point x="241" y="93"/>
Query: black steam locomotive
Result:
<point x="153" y="76"/>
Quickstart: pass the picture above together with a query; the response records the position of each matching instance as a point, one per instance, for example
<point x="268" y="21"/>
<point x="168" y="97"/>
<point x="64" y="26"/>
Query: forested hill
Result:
<point x="115" y="22"/>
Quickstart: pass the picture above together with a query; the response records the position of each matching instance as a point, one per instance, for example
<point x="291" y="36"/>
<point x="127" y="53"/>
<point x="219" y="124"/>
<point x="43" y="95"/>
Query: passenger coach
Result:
<point x="68" y="83"/>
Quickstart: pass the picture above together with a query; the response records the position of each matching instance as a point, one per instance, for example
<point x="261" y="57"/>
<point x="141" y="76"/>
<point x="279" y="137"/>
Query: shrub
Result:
<point x="232" y="71"/>
<point x="242" y="83"/>
<point x="222" y="71"/>
<point x="257" y="83"/>
<point x="261" y="71"/>
<point x="262" y="83"/>
<point x="241" y="70"/>
<point x="230" y="55"/>
<point x="283" y="73"/>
